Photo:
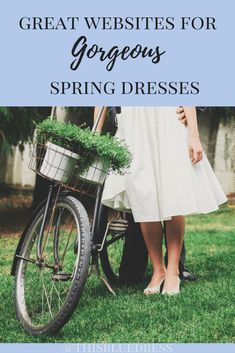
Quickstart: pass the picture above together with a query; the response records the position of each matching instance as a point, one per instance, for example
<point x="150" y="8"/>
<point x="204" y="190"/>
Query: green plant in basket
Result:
<point x="86" y="144"/>
<point x="68" y="136"/>
<point x="113" y="150"/>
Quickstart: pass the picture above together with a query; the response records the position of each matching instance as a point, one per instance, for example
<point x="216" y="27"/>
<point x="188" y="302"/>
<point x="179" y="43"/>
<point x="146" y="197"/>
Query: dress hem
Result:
<point x="109" y="203"/>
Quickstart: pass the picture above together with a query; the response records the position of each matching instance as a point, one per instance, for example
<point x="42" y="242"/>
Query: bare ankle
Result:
<point x="172" y="272"/>
<point x="160" y="271"/>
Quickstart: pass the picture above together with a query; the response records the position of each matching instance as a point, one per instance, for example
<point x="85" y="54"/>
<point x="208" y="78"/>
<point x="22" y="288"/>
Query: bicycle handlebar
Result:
<point x="97" y="120"/>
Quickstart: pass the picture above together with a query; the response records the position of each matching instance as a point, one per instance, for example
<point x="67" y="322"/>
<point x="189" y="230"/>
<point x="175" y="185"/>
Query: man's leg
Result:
<point x="135" y="256"/>
<point x="185" y="274"/>
<point x="182" y="258"/>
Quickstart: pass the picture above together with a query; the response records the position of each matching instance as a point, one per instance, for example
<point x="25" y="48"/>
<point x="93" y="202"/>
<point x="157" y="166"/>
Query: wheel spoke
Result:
<point x="58" y="295"/>
<point x="51" y="292"/>
<point x="42" y="298"/>
<point x="67" y="243"/>
<point x="47" y="299"/>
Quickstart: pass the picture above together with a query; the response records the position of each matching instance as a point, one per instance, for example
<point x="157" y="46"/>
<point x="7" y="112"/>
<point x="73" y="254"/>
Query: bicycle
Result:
<point x="60" y="247"/>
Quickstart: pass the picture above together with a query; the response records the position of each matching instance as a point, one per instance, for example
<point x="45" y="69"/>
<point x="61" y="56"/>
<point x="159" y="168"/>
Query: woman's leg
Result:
<point x="153" y="234"/>
<point x="174" y="237"/>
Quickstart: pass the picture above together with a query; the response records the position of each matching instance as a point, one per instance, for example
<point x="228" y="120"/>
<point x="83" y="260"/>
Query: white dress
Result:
<point x="161" y="182"/>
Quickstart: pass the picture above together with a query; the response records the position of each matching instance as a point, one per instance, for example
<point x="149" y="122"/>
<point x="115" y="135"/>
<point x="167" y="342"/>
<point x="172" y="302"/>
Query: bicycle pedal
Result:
<point x="120" y="225"/>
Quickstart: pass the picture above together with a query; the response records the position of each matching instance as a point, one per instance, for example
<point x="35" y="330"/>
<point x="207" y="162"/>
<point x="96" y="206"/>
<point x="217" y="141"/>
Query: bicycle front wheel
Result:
<point x="48" y="288"/>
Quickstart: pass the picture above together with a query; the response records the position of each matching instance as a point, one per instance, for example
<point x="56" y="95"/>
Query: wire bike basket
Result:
<point x="69" y="155"/>
<point x="62" y="166"/>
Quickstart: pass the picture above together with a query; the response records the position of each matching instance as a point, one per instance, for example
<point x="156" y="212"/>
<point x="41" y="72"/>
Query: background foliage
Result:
<point x="17" y="123"/>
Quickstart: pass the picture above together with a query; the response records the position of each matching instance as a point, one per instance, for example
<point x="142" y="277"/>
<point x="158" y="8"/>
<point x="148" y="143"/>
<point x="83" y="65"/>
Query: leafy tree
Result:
<point x="17" y="126"/>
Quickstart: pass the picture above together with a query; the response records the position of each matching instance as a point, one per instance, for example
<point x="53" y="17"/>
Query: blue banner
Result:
<point x="117" y="53"/>
<point x="117" y="348"/>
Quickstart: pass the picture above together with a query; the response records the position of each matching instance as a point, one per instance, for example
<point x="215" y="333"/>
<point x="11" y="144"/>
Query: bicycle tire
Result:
<point x="133" y="258"/>
<point x="79" y="276"/>
<point x="132" y="267"/>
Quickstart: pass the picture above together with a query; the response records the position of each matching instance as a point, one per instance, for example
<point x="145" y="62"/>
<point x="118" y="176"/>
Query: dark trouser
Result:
<point x="135" y="256"/>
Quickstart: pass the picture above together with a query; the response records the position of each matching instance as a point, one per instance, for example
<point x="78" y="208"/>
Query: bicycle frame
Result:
<point x="39" y="243"/>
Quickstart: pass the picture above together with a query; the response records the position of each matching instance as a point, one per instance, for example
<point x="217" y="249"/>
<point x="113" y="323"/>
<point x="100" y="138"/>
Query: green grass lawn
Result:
<point x="203" y="312"/>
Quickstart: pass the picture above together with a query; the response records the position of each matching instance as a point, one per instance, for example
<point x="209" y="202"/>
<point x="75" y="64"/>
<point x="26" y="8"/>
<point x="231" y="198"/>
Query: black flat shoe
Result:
<point x="185" y="275"/>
